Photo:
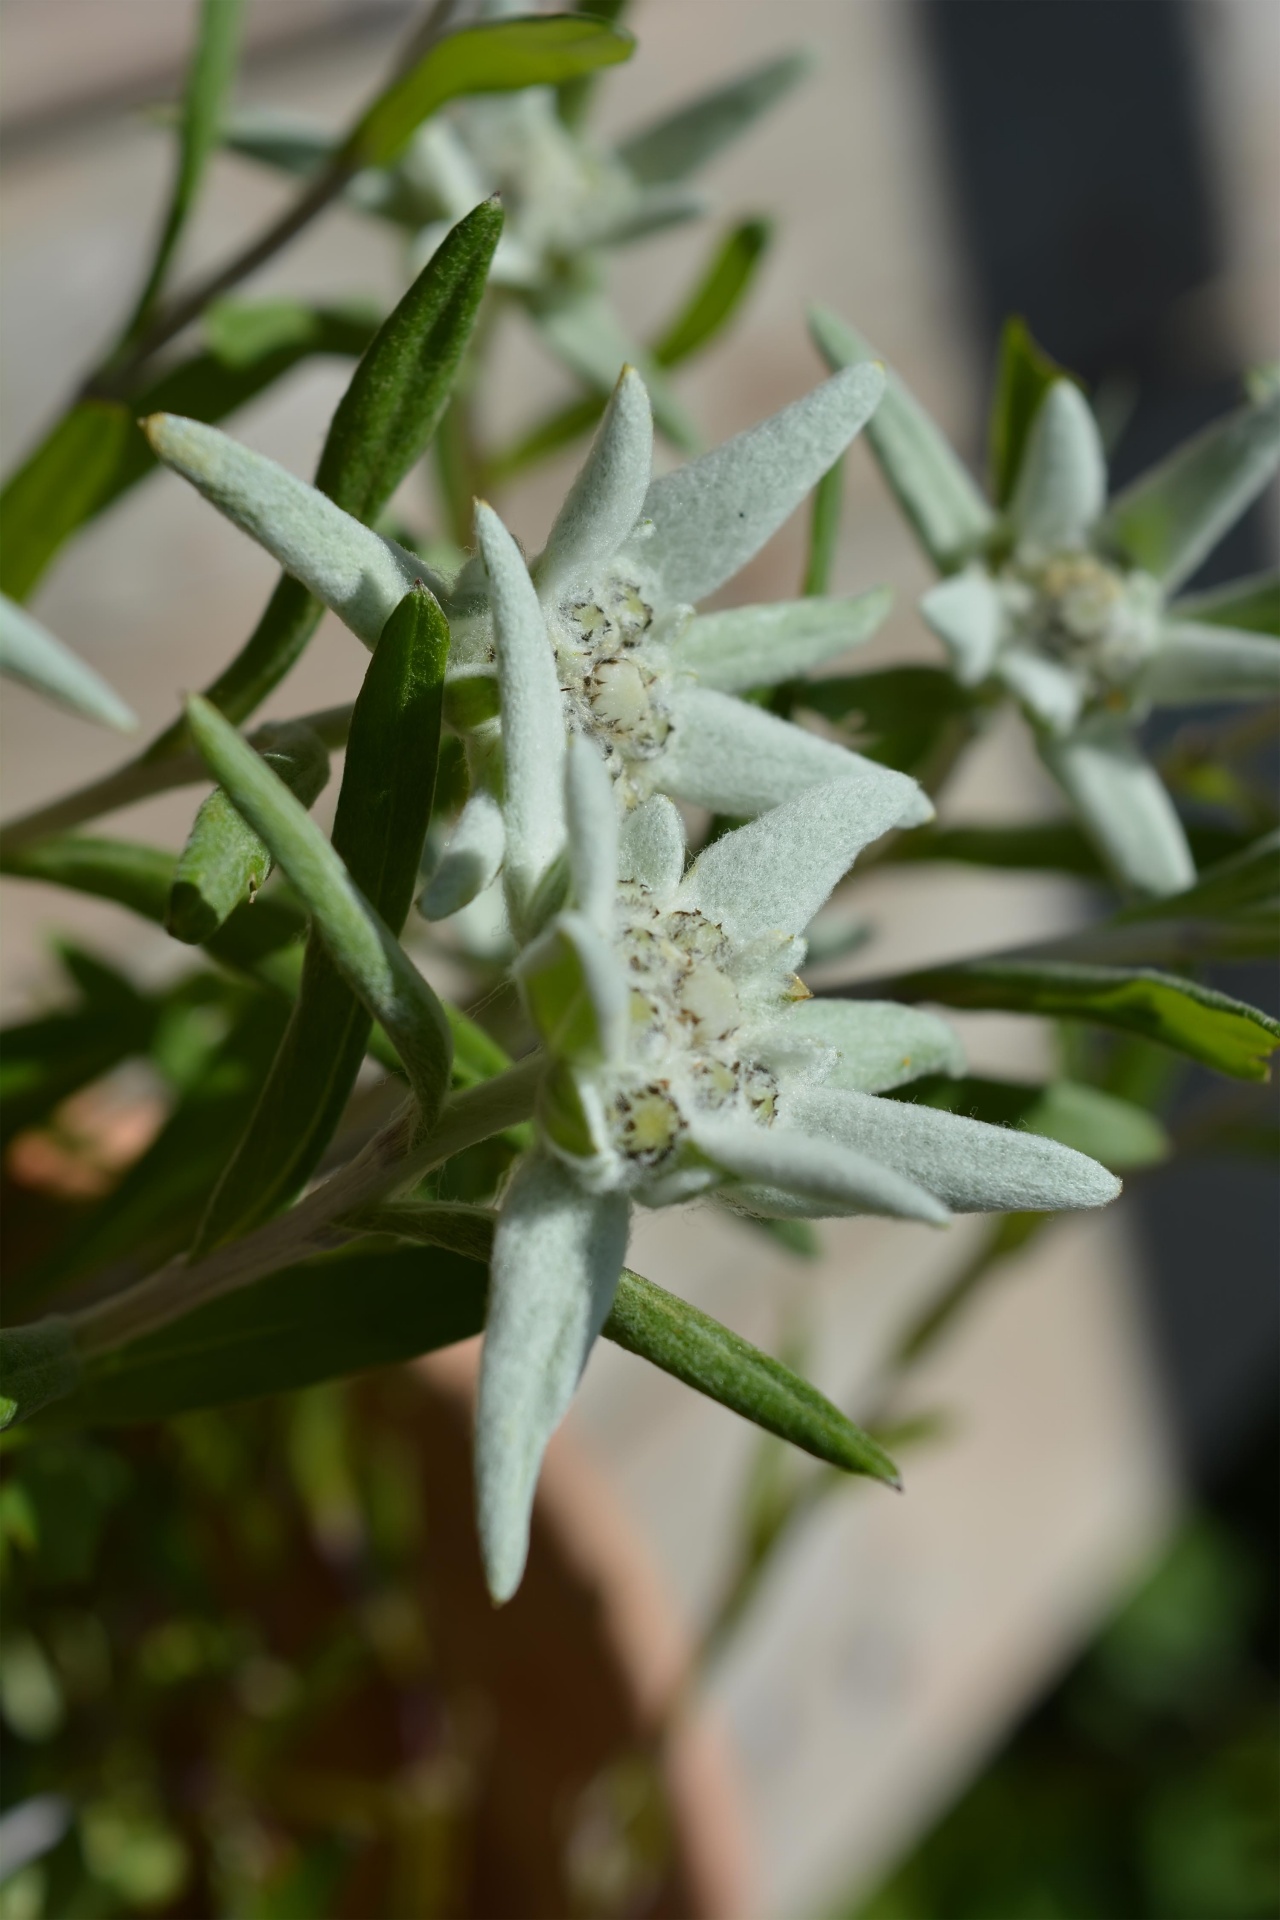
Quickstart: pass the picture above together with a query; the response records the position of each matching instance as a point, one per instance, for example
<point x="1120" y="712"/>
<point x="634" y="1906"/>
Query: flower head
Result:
<point x="686" y="1057"/>
<point x="1070" y="602"/>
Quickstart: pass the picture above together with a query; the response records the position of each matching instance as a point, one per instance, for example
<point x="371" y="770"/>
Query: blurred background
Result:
<point x="1043" y="1682"/>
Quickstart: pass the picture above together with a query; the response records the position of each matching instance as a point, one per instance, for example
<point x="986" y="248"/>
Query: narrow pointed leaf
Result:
<point x="38" y="1366"/>
<point x="224" y="863"/>
<point x="500" y="56"/>
<point x="691" y="136"/>
<point x="716" y="298"/>
<point x="557" y="1255"/>
<point x="933" y="489"/>
<point x="384" y="810"/>
<point x="824" y="530"/>
<point x="714" y="514"/>
<point x="31" y="654"/>
<point x="1252" y="605"/>
<point x="1062" y="482"/>
<point x="758" y="646"/>
<point x="57" y="487"/>
<point x="1023" y="377"/>
<point x="1209" y="1026"/>
<point x="1124" y="806"/>
<point x="369" y="957"/>
<point x="208" y="82"/>
<point x="1171" y="517"/>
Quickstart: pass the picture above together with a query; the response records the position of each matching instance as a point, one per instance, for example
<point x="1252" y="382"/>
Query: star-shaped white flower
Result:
<point x="685" y="1057"/>
<point x="1069" y="602"/>
<point x="600" y="636"/>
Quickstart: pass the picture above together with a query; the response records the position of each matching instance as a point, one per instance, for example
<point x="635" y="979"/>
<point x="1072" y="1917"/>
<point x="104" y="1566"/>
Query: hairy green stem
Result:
<point x="315" y="1225"/>
<point x="139" y="779"/>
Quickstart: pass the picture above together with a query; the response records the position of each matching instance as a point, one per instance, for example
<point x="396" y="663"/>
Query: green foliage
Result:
<point x="499" y="57"/>
<point x="384" y="811"/>
<point x="224" y="863"/>
<point x="1024" y="374"/>
<point x="716" y="298"/>
<point x="905" y="717"/>
<point x="1209" y="1026"/>
<point x="58" y="487"/>
<point x="38" y="1364"/>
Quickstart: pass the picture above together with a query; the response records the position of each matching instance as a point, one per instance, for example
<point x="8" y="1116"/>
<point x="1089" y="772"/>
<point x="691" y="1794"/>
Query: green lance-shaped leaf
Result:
<point x="140" y="878"/>
<point x="824" y="530"/>
<point x="337" y="1316"/>
<point x="1048" y="846"/>
<point x="382" y="425"/>
<point x="31" y="654"/>
<point x="687" y="139"/>
<point x="1170" y="517"/>
<point x="224" y="862"/>
<point x="933" y="489"/>
<point x="208" y="81"/>
<point x="1251" y="605"/>
<point x="384" y="810"/>
<point x="368" y="955"/>
<point x="1211" y="1027"/>
<point x="717" y="295"/>
<point x="38" y="1365"/>
<point x="57" y="487"/>
<point x="500" y="56"/>
<point x="1024" y="375"/>
<point x="902" y="716"/>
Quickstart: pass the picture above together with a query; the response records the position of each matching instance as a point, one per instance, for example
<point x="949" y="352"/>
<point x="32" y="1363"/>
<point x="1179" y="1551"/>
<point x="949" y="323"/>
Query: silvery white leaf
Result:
<point x="557" y="1254"/>
<point x="1062" y="483"/>
<point x="471" y="861"/>
<point x="965" y="613"/>
<point x="604" y="501"/>
<point x="438" y="167"/>
<point x="533" y="743"/>
<point x="30" y="653"/>
<point x="932" y="487"/>
<point x="651" y="852"/>
<point x="593" y="834"/>
<point x="356" y="573"/>
<point x="1053" y="693"/>
<point x="1203" y="663"/>
<point x="820" y="1171"/>
<point x="576" y="992"/>
<point x="974" y="1167"/>
<point x="773" y="875"/>
<point x="636" y="218"/>
<point x="710" y="517"/>
<point x="880" y="1043"/>
<point x="1123" y="805"/>
<point x="735" y="758"/>
<point x="687" y="139"/>
<point x="759" y="646"/>
<point x="1173" y="515"/>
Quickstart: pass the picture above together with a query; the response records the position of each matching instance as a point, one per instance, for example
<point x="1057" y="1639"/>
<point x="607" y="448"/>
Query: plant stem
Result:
<point x="139" y="779"/>
<point x="315" y="1225"/>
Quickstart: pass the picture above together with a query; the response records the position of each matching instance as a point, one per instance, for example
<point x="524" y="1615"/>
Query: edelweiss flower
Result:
<point x="603" y="626"/>
<point x="1066" y="600"/>
<point x="567" y="196"/>
<point x="686" y="1057"/>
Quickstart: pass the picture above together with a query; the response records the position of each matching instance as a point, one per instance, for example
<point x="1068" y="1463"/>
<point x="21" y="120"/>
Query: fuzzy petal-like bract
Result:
<point x="1062" y="482"/>
<point x="974" y="1167"/>
<point x="1203" y="663"/>
<point x="1125" y="806"/>
<point x="557" y="1254"/>
<point x="710" y="517"/>
<point x="356" y="573"/>
<point x="775" y="873"/>
<point x="759" y="646"/>
<point x="964" y="612"/>
<point x="533" y="743"/>
<point x="816" y="1169"/>
<point x="472" y="860"/>
<point x="735" y="758"/>
<point x="604" y="501"/>
<point x="880" y="1044"/>
<point x="593" y="834"/>
<point x="651" y="847"/>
